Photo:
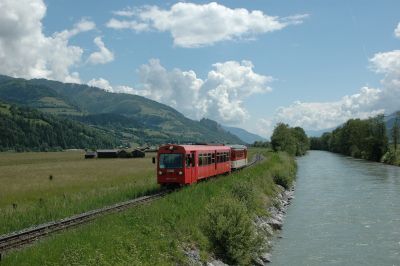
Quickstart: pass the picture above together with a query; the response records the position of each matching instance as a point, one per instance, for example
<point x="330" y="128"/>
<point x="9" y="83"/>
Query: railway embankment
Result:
<point x="229" y="219"/>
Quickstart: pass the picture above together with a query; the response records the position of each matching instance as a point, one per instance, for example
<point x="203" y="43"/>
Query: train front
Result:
<point x="170" y="165"/>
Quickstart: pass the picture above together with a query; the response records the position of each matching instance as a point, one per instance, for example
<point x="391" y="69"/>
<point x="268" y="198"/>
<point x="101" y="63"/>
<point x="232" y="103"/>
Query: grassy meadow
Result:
<point x="158" y="233"/>
<point x="40" y="187"/>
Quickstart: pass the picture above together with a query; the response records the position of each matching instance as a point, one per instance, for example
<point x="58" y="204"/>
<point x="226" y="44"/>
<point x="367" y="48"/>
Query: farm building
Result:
<point x="107" y="153"/>
<point x="90" y="154"/>
<point x="138" y="153"/>
<point x="124" y="154"/>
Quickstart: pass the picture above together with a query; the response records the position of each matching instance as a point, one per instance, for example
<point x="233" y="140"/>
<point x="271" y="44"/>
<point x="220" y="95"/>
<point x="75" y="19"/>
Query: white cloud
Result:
<point x="387" y="63"/>
<point x="194" y="25"/>
<point x="322" y="115"/>
<point x="101" y="83"/>
<point x="219" y="96"/>
<point x="133" y="25"/>
<point x="127" y="12"/>
<point x="397" y="31"/>
<point x="81" y="26"/>
<point x="26" y="52"/>
<point x="103" y="56"/>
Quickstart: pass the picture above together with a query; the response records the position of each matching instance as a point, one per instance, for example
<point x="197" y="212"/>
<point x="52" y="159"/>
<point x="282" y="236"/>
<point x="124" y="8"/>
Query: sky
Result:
<point x="250" y="64"/>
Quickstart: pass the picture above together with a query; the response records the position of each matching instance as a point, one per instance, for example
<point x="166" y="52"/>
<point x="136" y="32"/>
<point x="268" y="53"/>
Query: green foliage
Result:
<point x="284" y="172"/>
<point x="261" y="144"/>
<point x="366" y="139"/>
<point x="246" y="194"/>
<point x="292" y="140"/>
<point x="231" y="231"/>
<point x="395" y="131"/>
<point x="26" y="129"/>
<point x="389" y="157"/>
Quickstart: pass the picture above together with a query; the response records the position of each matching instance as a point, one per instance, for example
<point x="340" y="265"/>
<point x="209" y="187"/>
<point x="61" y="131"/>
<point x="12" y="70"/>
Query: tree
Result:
<point x="396" y="131"/>
<point x="283" y="140"/>
<point x="292" y="140"/>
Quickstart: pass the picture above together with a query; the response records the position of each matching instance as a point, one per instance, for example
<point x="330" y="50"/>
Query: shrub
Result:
<point x="389" y="157"/>
<point x="282" y="180"/>
<point x="245" y="193"/>
<point x="230" y="231"/>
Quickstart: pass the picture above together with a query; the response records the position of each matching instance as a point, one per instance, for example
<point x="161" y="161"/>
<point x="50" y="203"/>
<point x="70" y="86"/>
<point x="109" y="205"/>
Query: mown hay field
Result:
<point x="40" y="187"/>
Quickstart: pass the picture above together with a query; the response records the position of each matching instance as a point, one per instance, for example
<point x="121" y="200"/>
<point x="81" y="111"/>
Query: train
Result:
<point x="188" y="164"/>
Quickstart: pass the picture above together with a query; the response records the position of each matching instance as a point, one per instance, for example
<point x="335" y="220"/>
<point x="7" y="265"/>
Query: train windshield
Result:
<point x="171" y="160"/>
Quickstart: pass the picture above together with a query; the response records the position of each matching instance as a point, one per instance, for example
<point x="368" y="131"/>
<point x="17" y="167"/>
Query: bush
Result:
<point x="389" y="157"/>
<point x="246" y="194"/>
<point x="282" y="180"/>
<point x="230" y="231"/>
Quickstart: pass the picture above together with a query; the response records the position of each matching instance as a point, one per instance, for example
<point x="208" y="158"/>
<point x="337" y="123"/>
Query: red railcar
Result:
<point x="186" y="164"/>
<point x="238" y="156"/>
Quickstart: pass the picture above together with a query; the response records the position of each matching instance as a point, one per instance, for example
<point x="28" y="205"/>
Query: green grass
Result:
<point x="28" y="196"/>
<point x="157" y="234"/>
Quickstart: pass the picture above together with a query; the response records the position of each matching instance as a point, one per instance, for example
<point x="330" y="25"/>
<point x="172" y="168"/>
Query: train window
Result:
<point x="200" y="159"/>
<point x="209" y="158"/>
<point x="213" y="158"/>
<point x="171" y="160"/>
<point x="188" y="160"/>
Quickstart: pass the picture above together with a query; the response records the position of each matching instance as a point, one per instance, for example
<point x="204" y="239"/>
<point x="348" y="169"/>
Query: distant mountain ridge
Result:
<point x="129" y="118"/>
<point x="244" y="135"/>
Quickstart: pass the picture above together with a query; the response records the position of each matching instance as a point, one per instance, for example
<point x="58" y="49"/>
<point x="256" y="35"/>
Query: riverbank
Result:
<point x="180" y="228"/>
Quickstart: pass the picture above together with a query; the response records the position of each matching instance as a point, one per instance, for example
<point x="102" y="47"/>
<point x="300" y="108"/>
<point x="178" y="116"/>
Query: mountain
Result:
<point x="27" y="129"/>
<point x="244" y="135"/>
<point x="129" y="118"/>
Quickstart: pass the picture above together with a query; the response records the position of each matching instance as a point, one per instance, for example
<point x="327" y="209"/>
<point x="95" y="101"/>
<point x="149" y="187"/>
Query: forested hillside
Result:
<point x="130" y="118"/>
<point x="26" y="129"/>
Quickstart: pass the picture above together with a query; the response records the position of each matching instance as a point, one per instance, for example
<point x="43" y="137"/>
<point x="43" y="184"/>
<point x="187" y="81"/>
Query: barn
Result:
<point x="138" y="153"/>
<point x="107" y="153"/>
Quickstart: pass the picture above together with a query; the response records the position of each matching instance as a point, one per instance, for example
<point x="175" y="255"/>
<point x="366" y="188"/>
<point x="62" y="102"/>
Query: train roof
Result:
<point x="238" y="147"/>
<point x="197" y="147"/>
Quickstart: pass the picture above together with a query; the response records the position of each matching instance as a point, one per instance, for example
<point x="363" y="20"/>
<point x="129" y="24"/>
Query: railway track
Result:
<point x="29" y="235"/>
<point x="26" y="236"/>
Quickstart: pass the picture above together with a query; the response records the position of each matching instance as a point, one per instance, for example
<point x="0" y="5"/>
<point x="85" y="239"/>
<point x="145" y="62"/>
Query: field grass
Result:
<point x="40" y="187"/>
<point x="158" y="233"/>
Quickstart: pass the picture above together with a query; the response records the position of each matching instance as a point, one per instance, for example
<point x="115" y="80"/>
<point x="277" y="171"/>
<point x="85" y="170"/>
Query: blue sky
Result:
<point x="307" y="63"/>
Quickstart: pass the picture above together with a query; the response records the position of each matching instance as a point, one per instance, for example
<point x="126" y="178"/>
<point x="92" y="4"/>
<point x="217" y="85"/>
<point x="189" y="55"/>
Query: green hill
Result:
<point x="129" y="118"/>
<point x="23" y="128"/>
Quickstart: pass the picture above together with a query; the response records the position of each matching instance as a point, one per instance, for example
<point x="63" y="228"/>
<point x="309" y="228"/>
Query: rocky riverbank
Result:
<point x="273" y="223"/>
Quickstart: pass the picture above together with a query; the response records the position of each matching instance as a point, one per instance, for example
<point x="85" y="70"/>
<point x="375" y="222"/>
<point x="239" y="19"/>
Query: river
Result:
<point x="345" y="212"/>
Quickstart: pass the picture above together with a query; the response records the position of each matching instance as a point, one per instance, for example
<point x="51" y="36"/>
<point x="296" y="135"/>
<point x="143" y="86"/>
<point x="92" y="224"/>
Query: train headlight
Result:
<point x="180" y="173"/>
<point x="159" y="172"/>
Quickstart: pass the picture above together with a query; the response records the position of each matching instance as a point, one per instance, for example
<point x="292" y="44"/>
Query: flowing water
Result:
<point x="345" y="212"/>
